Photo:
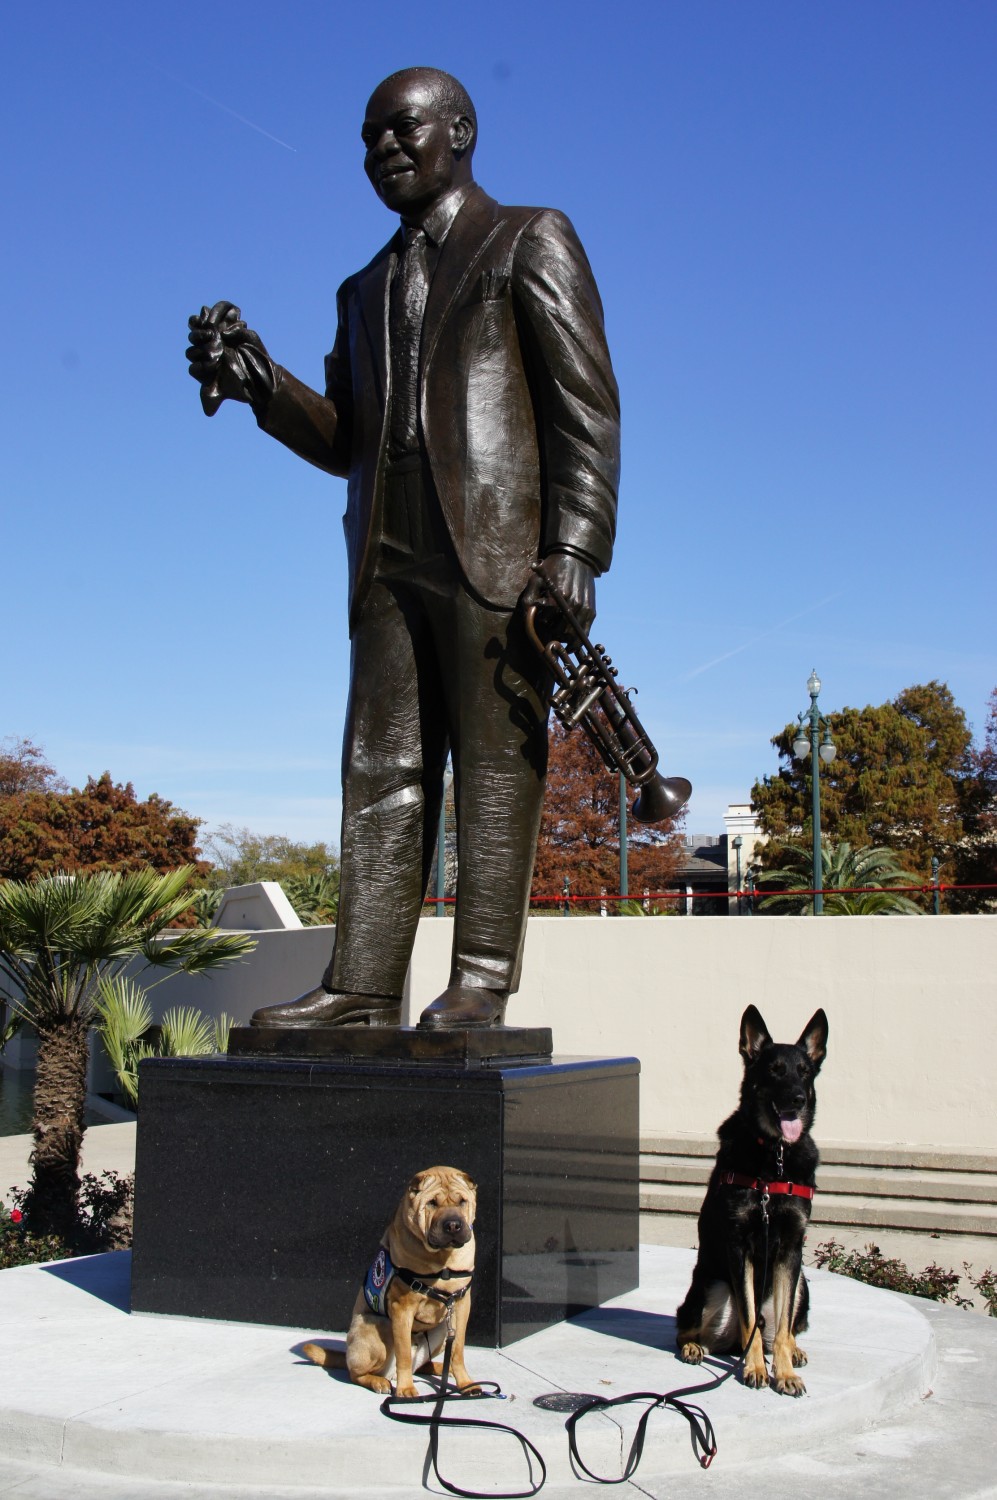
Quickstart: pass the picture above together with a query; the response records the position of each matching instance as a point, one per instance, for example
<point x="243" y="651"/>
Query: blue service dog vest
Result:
<point x="379" y="1277"/>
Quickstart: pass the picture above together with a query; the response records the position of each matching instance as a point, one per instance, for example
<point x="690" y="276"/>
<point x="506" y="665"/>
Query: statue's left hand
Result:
<point x="575" y="579"/>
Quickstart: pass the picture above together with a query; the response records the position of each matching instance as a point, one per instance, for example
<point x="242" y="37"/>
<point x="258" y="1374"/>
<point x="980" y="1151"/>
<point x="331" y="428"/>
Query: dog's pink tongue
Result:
<point x="791" y="1129"/>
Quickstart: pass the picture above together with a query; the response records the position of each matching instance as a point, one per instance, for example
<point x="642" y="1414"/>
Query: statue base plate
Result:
<point x="469" y="1047"/>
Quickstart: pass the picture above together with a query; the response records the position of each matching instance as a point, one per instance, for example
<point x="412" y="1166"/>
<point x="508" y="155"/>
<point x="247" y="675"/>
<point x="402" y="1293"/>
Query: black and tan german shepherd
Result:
<point x="756" y="1211"/>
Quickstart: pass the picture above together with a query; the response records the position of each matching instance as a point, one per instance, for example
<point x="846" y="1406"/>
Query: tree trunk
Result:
<point x="58" y="1126"/>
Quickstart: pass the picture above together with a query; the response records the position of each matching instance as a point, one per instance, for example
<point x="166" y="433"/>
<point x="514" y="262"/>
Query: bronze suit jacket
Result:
<point x="518" y="405"/>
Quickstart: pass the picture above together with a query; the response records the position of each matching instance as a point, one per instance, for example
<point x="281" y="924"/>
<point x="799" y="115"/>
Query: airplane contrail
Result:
<point x="746" y="645"/>
<point x="224" y="107"/>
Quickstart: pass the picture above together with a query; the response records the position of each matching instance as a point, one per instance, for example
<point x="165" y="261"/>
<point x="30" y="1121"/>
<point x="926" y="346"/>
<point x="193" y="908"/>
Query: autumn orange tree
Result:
<point x="580" y="828"/>
<point x="47" y="828"/>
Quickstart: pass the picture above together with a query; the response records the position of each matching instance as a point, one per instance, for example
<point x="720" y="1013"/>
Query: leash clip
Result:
<point x="765" y="1201"/>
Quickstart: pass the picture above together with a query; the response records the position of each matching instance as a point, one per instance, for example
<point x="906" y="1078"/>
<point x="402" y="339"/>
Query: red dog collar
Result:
<point x="792" y="1189"/>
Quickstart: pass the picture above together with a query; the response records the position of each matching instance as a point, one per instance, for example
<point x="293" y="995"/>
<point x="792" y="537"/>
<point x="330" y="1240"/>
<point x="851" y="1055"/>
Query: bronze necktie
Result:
<point x="409" y="290"/>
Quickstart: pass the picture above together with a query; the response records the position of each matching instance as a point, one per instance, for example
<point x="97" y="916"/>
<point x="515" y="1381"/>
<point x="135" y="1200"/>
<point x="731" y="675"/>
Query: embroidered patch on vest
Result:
<point x="377" y="1281"/>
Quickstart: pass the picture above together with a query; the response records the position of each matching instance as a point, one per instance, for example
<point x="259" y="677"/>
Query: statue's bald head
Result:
<point x="448" y="94"/>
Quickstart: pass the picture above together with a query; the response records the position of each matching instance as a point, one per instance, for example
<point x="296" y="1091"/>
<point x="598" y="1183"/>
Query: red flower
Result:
<point x="16" y="1216"/>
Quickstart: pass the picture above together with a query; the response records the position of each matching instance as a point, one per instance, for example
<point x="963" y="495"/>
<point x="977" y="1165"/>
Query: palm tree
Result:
<point x="63" y="938"/>
<point x="842" y="869"/>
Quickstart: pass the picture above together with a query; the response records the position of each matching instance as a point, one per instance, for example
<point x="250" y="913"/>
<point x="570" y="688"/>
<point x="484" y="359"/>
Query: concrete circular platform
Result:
<point x="97" y="1402"/>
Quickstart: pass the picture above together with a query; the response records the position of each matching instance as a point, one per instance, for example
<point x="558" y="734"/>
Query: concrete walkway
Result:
<point x="98" y="1404"/>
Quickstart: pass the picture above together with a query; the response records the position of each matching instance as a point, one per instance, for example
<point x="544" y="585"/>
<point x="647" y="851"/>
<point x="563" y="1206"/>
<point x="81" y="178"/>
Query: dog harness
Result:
<point x="759" y="1184"/>
<point x="792" y="1189"/>
<point x="383" y="1271"/>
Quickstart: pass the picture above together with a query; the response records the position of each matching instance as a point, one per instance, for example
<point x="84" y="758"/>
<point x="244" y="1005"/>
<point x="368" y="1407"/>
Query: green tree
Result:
<point x="896" y="782"/>
<point x="241" y="857"/>
<point x="843" y="870"/>
<point x="975" y="860"/>
<point x="63" y="938"/>
<point x="580" y="828"/>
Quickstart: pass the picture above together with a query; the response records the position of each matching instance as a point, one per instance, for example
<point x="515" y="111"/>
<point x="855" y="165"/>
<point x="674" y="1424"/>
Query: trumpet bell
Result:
<point x="660" y="798"/>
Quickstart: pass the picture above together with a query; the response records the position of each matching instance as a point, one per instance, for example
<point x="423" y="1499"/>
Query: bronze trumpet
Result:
<point x="586" y="692"/>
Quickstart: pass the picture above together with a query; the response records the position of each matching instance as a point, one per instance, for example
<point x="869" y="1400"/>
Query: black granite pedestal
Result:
<point x="263" y="1185"/>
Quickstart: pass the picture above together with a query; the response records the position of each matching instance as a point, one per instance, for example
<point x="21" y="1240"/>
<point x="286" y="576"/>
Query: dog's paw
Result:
<point x="790" y="1385"/>
<point x="799" y="1356"/>
<point x="469" y="1389"/>
<point x="691" y="1354"/>
<point x="756" y="1377"/>
<point x="375" y="1383"/>
<point x="405" y="1392"/>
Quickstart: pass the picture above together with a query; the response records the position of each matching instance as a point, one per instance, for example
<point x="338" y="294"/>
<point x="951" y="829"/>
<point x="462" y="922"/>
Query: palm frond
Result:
<point x="843" y="869"/>
<point x="185" y="1032"/>
<point x="195" y="950"/>
<point x="61" y="934"/>
<point x="124" y="1017"/>
<point x="222" y="1029"/>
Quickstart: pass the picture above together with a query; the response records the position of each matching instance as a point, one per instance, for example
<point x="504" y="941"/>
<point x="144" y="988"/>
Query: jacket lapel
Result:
<point x="373" y="292"/>
<point x="469" y="233"/>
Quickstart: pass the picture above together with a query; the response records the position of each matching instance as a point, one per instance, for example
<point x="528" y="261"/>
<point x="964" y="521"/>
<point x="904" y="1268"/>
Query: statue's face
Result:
<point x="410" y="145"/>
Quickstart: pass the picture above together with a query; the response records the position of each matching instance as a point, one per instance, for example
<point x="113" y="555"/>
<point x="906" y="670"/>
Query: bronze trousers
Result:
<point x="435" y="670"/>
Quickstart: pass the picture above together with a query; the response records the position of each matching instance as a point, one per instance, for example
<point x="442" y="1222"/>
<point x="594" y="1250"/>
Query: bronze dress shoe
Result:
<point x="322" y="1008"/>
<point x="461" y="1006"/>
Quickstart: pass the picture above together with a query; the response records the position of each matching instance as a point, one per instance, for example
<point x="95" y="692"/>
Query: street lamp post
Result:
<point x="809" y="741"/>
<point x="624" y="876"/>
<point x="738" y="845"/>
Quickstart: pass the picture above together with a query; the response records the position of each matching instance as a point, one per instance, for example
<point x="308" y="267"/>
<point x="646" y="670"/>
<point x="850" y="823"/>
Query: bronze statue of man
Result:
<point x="471" y="406"/>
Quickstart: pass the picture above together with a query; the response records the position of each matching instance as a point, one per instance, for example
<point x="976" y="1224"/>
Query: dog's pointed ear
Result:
<point x="754" y="1034"/>
<point x="814" y="1039"/>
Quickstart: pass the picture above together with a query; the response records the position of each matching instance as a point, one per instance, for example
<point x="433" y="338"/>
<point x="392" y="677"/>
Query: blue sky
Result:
<point x="790" y="211"/>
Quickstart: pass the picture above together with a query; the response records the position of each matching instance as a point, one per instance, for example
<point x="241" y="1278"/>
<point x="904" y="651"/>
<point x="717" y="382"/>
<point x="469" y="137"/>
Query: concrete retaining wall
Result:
<point x="912" y="1005"/>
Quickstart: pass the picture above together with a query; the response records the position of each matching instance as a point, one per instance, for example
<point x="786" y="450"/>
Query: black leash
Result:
<point x="436" y="1420"/>
<point x="704" y="1440"/>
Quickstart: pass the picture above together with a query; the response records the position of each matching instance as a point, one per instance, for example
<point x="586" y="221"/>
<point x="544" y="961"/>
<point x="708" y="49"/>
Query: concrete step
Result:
<point x="831" y="1208"/>
<point x="843" y="1154"/>
<point x="862" y="1181"/>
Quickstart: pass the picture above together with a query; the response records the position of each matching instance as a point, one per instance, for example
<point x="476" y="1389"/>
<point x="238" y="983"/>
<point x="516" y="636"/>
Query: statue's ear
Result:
<point x="462" y="135"/>
<point x="754" y="1034"/>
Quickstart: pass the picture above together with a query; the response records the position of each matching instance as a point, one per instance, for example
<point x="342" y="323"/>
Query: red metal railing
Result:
<point x="758" y="893"/>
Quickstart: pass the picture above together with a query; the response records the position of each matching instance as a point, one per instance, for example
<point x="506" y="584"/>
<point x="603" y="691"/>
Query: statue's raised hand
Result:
<point x="228" y="359"/>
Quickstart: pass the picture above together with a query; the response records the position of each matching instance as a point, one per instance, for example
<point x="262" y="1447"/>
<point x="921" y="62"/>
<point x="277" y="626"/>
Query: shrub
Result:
<point x="986" y="1285"/>
<point x="873" y="1267"/>
<point x="103" y="1222"/>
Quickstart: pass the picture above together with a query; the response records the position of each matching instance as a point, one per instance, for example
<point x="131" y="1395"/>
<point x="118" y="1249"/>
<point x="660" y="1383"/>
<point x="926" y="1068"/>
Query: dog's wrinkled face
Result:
<point x="778" y="1089"/>
<point x="440" y="1207"/>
